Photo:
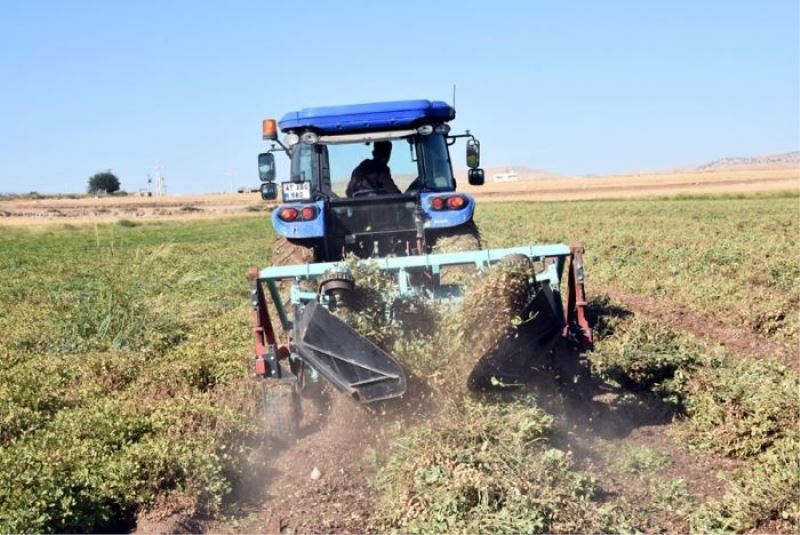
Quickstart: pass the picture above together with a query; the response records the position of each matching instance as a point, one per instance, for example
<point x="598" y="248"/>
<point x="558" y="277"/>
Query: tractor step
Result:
<point x="350" y="362"/>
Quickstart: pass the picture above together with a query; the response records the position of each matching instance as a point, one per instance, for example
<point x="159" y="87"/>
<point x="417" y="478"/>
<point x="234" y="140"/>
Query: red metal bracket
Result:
<point x="577" y="323"/>
<point x="263" y="332"/>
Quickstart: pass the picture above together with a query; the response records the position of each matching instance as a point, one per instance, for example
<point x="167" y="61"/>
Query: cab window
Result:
<point x="436" y="162"/>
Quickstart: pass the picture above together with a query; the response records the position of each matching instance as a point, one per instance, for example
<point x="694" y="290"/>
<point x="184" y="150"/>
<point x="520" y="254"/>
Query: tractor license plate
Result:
<point x="296" y="191"/>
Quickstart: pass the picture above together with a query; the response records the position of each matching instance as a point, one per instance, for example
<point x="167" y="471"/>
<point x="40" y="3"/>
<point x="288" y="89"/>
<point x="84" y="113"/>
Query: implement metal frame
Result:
<point x="554" y="257"/>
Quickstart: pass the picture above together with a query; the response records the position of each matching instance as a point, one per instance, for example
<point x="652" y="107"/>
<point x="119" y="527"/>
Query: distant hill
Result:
<point x="784" y="158"/>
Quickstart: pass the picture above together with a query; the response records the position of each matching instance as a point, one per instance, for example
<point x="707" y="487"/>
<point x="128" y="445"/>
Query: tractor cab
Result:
<point x="330" y="202"/>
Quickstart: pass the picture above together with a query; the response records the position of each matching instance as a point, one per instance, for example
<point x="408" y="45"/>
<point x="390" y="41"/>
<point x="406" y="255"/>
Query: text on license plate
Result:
<point x="296" y="191"/>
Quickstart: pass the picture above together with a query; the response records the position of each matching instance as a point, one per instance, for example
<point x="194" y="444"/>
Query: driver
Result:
<point x="374" y="174"/>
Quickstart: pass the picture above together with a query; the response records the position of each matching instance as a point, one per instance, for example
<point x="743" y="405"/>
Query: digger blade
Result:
<point x="520" y="348"/>
<point x="350" y="362"/>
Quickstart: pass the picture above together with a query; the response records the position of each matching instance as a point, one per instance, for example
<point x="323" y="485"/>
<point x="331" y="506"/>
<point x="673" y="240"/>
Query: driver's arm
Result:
<point x="354" y="184"/>
<point x="388" y="184"/>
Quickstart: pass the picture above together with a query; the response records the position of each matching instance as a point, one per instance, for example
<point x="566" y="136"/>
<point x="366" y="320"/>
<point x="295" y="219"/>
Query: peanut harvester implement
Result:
<point x="340" y="204"/>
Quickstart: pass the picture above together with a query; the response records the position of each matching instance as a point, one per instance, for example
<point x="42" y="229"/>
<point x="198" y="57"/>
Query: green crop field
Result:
<point x="124" y="380"/>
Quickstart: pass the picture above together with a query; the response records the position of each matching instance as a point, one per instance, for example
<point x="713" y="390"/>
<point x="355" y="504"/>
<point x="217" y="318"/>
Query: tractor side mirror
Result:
<point x="266" y="167"/>
<point x="269" y="191"/>
<point x="473" y="153"/>
<point x="476" y="177"/>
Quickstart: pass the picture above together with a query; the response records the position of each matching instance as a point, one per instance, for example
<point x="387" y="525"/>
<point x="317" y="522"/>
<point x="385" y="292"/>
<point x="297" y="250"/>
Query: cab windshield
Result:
<point x="415" y="163"/>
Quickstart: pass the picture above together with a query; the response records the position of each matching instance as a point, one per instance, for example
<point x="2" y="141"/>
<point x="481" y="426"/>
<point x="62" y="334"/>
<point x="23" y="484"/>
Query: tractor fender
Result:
<point x="446" y="218"/>
<point x="313" y="228"/>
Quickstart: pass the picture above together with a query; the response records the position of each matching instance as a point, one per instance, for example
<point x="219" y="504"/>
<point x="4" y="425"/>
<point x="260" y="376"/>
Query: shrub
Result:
<point x="103" y="182"/>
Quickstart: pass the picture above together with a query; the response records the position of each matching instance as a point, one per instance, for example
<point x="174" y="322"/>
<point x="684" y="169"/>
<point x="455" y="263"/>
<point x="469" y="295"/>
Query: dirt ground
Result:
<point x="321" y="483"/>
<point x="321" y="479"/>
<point x="666" y="183"/>
<point x="23" y="211"/>
<point x="709" y="331"/>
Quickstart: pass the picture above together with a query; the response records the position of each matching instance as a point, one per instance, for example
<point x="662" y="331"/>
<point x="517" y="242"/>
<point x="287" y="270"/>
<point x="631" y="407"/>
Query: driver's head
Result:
<point x="382" y="151"/>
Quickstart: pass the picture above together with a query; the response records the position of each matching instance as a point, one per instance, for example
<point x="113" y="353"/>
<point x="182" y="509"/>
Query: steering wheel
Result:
<point x="368" y="192"/>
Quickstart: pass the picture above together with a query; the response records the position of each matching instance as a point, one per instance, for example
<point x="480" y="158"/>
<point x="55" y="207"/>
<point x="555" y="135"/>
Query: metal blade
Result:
<point x="350" y="362"/>
<point x="511" y="357"/>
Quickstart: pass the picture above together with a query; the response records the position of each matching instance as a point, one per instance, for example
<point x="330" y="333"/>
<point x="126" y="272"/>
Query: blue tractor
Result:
<point x="375" y="182"/>
<point x="330" y="213"/>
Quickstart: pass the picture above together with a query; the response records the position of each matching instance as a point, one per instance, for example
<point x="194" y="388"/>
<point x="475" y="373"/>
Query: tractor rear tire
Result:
<point x="464" y="237"/>
<point x="286" y="252"/>
<point x="458" y="239"/>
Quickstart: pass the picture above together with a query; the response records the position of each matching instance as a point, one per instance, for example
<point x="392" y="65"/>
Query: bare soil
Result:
<point x="599" y="191"/>
<point x="170" y="514"/>
<point x="321" y="478"/>
<point x="319" y="481"/>
<point x="25" y="211"/>
<point x="531" y="186"/>
<point x="698" y="472"/>
<point x="601" y="425"/>
<point x="737" y="179"/>
<point x="322" y="483"/>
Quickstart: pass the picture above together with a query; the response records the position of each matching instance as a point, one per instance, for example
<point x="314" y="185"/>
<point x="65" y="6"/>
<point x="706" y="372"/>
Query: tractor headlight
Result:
<point x="291" y="140"/>
<point x="442" y="129"/>
<point x="309" y="138"/>
<point x="425" y="130"/>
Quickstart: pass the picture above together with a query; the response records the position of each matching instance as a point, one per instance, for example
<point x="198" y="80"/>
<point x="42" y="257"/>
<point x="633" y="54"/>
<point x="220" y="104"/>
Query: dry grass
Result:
<point x="81" y="210"/>
<point x="44" y="211"/>
<point x="658" y="184"/>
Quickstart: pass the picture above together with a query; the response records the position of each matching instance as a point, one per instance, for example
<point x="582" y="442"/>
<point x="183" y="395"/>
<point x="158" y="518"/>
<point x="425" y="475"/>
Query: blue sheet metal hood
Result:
<point x="368" y="117"/>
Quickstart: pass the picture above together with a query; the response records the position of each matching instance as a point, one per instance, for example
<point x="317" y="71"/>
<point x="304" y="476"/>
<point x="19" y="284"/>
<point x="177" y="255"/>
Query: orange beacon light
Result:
<point x="269" y="129"/>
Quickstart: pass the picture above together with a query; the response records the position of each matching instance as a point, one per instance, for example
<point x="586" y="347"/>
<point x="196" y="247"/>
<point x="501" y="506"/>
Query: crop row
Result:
<point x="124" y="371"/>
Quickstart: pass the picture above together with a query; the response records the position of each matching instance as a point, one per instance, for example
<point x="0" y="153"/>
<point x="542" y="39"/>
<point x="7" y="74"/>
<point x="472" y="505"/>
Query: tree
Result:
<point x="103" y="182"/>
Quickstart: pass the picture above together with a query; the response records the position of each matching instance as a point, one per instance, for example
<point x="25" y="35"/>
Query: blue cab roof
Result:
<point x="368" y="117"/>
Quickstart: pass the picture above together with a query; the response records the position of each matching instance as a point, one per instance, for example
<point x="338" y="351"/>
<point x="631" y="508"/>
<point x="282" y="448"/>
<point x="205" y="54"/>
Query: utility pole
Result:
<point x="231" y="175"/>
<point x="161" y="182"/>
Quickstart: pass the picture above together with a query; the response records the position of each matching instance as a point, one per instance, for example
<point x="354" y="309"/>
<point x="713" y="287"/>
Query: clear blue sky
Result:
<point x="573" y="87"/>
